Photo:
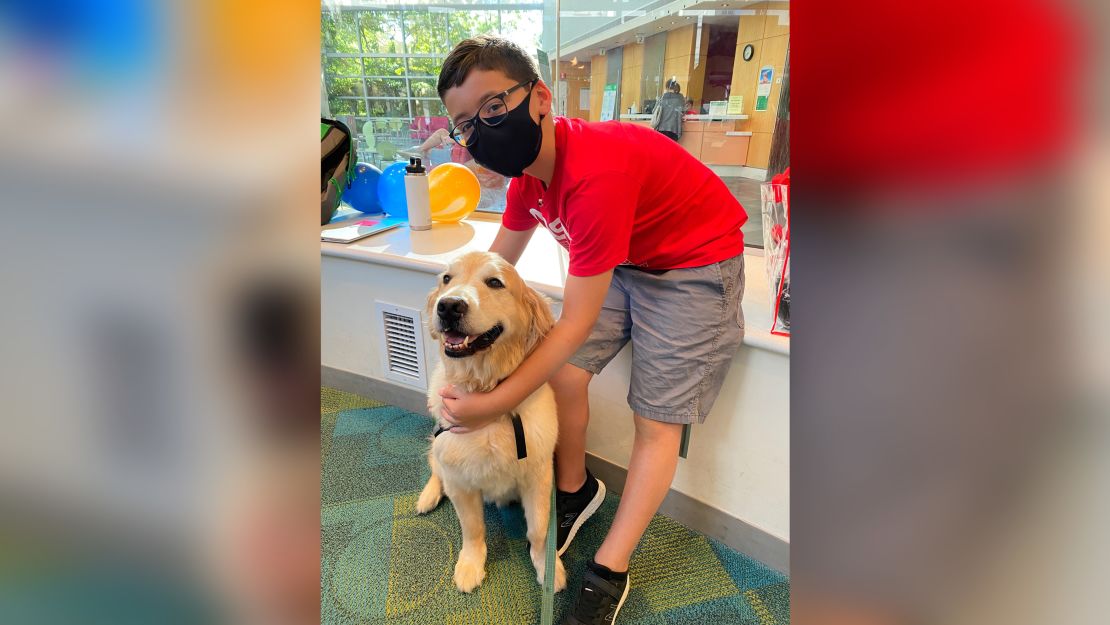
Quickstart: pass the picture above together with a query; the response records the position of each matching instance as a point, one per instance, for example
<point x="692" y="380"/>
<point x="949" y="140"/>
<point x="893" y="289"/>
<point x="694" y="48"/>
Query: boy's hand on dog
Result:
<point x="468" y="412"/>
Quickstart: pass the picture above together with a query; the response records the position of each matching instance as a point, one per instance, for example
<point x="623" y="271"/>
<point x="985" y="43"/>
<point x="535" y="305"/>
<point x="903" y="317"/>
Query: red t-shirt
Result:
<point x="626" y="194"/>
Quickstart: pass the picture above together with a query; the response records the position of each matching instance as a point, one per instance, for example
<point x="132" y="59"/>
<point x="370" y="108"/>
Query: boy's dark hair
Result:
<point x="672" y="84"/>
<point x="486" y="52"/>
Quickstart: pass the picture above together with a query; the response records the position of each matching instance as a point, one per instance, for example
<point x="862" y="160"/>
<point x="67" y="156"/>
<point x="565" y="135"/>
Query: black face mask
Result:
<point x="510" y="146"/>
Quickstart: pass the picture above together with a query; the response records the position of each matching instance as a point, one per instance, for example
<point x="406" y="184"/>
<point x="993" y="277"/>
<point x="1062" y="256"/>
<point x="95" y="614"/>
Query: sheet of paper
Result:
<point x="360" y="229"/>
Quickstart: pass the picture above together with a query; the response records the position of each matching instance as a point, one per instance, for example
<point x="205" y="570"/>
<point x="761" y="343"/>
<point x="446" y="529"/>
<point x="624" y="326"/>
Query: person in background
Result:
<point x="690" y="110"/>
<point x="667" y="117"/>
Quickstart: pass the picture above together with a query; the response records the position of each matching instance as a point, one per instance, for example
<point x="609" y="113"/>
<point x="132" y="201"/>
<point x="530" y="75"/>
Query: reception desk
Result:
<point x="712" y="139"/>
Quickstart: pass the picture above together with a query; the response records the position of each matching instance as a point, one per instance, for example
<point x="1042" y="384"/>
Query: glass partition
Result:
<point x="652" y="81"/>
<point x="728" y="63"/>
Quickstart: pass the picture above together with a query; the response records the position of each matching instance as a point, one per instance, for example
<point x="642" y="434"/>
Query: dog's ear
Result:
<point x="540" y="319"/>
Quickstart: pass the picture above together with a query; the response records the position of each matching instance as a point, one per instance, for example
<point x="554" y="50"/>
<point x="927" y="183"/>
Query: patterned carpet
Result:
<point x="381" y="563"/>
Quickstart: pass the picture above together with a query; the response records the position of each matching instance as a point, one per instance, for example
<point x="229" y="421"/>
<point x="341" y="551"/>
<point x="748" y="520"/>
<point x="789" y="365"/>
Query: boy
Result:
<point x="655" y="257"/>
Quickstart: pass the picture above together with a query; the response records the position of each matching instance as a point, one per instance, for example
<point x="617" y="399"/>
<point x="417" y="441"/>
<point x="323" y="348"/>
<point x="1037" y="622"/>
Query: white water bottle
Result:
<point x="416" y="192"/>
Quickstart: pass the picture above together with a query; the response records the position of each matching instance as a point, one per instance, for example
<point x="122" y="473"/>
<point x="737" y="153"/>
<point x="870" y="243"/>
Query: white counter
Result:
<point x="697" y="117"/>
<point x="543" y="265"/>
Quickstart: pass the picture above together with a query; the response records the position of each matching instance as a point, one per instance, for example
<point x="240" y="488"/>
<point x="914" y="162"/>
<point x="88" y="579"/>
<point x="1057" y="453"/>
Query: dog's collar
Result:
<point x="518" y="431"/>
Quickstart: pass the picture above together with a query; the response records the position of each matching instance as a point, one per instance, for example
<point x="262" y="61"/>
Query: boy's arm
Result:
<point x="582" y="300"/>
<point x="510" y="243"/>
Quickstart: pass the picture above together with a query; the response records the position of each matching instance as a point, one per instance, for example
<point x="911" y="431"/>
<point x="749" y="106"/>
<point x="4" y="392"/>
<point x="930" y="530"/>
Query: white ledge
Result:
<point x="696" y="117"/>
<point x="543" y="265"/>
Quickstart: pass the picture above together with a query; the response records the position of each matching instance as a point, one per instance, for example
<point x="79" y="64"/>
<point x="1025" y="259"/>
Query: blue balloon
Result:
<point x="391" y="191"/>
<point x="362" y="195"/>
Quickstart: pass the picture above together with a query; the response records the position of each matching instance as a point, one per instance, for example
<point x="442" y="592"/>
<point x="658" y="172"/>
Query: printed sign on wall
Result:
<point x="735" y="105"/>
<point x="609" y="103"/>
<point x="763" y="87"/>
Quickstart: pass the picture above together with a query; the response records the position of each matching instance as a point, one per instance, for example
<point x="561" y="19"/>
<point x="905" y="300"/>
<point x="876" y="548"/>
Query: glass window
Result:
<point x="425" y="66"/>
<point x="338" y="32"/>
<point x="426" y="32"/>
<point x="381" y="31"/>
<point x="424" y="88"/>
<point x="340" y="87"/>
<point x="429" y="107"/>
<point x="385" y="87"/>
<point x="381" y="64"/>
<point x="388" y="108"/>
<point x="384" y="66"/>
<point x="464" y="24"/>
<point x="347" y="106"/>
<point x="523" y="27"/>
<point x="343" y="66"/>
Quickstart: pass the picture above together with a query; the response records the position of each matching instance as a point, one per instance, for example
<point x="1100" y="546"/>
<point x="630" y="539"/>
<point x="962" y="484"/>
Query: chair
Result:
<point x="386" y="150"/>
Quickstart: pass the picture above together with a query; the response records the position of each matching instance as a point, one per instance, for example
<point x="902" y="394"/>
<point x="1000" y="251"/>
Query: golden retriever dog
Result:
<point x="487" y="320"/>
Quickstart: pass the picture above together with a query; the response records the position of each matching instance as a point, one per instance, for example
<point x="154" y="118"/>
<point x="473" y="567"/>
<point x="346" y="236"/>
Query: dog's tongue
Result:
<point x="454" y="338"/>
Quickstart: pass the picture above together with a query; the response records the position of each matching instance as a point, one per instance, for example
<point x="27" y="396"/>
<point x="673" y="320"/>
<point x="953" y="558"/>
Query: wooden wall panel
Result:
<point x="598" y="67"/>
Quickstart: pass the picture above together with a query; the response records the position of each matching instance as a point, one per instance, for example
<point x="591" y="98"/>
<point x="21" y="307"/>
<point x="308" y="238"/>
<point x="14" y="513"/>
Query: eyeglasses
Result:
<point x="491" y="112"/>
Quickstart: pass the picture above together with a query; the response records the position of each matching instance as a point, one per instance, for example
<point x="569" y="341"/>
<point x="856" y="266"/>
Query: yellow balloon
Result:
<point x="453" y="192"/>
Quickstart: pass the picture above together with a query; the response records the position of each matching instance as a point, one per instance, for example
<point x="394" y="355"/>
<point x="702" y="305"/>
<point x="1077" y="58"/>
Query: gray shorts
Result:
<point x="685" y="326"/>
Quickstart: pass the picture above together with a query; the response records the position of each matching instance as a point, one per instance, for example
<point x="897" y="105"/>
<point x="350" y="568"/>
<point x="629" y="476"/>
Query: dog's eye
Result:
<point x="494" y="283"/>
<point x="446" y="278"/>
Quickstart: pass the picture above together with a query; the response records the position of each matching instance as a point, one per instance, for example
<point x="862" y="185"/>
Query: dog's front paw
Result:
<point x="560" y="572"/>
<point x="429" y="499"/>
<point x="560" y="576"/>
<point x="469" y="573"/>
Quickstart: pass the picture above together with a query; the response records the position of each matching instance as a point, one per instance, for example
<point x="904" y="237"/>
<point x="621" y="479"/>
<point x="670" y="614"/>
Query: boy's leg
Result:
<point x="571" y="386"/>
<point x="686" y="327"/>
<point x="650" y="471"/>
<point x="579" y="494"/>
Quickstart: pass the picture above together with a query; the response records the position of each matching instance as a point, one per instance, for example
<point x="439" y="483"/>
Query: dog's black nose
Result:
<point x="451" y="308"/>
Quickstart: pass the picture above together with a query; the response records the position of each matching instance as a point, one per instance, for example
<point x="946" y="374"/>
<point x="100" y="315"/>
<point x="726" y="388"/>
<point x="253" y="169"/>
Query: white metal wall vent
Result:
<point x="401" y="334"/>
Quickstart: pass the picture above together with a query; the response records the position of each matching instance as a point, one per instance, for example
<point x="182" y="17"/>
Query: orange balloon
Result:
<point x="453" y="192"/>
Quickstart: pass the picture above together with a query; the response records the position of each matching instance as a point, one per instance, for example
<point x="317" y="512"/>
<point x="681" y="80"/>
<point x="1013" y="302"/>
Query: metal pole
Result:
<point x="405" y="49"/>
<point x="547" y="603"/>
<point x="362" y="66"/>
<point x="558" y="48"/>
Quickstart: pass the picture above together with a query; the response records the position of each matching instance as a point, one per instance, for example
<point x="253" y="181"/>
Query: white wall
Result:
<point x="738" y="459"/>
<point x="348" y="290"/>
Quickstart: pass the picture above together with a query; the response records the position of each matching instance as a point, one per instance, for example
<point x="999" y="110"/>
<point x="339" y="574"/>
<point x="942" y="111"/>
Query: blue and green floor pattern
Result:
<point x="381" y="563"/>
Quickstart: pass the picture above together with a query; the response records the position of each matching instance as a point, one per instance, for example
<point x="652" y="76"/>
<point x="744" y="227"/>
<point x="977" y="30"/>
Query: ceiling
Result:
<point x="661" y="19"/>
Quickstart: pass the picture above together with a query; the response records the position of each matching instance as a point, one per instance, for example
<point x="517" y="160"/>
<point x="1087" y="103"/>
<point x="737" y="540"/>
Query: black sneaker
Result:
<point x="602" y="595"/>
<point x="574" y="509"/>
